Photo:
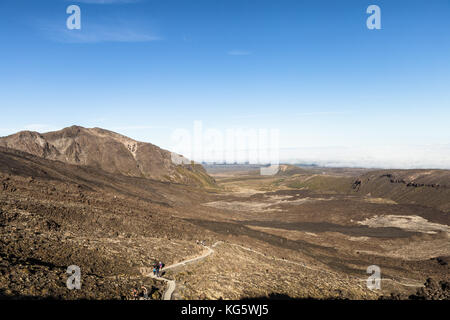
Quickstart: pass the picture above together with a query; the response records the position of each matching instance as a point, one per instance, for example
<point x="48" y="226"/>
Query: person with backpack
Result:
<point x="144" y="292"/>
<point x="135" y="294"/>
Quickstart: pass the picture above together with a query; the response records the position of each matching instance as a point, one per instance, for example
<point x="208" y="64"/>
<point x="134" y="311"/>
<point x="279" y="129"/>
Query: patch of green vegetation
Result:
<point x="323" y="184"/>
<point x="196" y="175"/>
<point x="278" y="182"/>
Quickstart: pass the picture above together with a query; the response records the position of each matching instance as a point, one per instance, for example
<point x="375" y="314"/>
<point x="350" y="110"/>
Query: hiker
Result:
<point x="135" y="294"/>
<point x="154" y="270"/>
<point x="144" y="292"/>
<point x="160" y="265"/>
<point x="157" y="270"/>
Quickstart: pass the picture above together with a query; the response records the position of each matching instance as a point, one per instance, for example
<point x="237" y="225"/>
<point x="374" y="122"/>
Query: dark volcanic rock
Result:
<point x="433" y="291"/>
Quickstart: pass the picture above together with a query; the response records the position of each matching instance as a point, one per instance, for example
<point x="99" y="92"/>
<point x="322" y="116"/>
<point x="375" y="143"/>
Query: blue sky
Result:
<point x="338" y="92"/>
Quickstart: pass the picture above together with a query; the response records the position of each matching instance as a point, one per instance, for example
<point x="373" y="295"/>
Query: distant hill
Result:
<point x="108" y="151"/>
<point x="288" y="170"/>
<point x="430" y="188"/>
<point x="423" y="187"/>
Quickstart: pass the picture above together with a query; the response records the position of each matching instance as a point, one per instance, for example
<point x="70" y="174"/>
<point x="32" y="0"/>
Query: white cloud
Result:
<point x="239" y="53"/>
<point x="98" y="33"/>
<point x="388" y="156"/>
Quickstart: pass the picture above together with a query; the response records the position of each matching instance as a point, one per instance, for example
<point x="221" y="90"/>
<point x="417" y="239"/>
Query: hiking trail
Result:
<point x="171" y="285"/>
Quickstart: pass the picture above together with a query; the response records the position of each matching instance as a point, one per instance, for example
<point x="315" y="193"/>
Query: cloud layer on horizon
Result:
<point x="433" y="156"/>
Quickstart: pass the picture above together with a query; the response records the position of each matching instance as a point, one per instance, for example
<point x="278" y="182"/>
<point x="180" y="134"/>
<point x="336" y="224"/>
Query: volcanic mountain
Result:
<point x="108" y="151"/>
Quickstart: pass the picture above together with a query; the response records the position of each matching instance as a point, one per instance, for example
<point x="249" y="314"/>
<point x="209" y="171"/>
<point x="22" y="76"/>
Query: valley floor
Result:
<point x="273" y="237"/>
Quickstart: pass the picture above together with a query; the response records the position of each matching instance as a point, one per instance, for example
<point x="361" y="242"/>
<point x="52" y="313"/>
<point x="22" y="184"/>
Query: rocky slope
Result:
<point x="429" y="188"/>
<point x="108" y="151"/>
<point x="54" y="214"/>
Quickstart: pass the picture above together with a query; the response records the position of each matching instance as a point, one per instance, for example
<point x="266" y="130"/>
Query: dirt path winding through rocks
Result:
<point x="171" y="283"/>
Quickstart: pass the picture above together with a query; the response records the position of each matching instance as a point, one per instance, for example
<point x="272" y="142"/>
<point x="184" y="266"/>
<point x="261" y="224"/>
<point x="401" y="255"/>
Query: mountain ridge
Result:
<point x="108" y="151"/>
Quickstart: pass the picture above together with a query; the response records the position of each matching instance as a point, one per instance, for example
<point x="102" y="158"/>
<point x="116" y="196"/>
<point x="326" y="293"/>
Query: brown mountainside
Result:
<point x="108" y="151"/>
<point x="429" y="188"/>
